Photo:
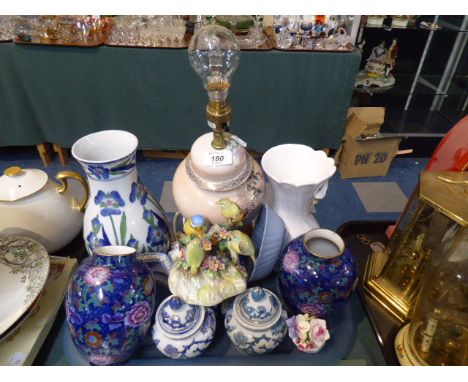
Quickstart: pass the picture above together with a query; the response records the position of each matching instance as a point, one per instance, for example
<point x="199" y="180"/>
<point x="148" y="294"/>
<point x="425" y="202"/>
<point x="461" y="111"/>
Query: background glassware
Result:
<point x="149" y="30"/>
<point x="298" y="41"/>
<point x="284" y="39"/>
<point x="97" y="25"/>
<point x="83" y="28"/>
<point x="306" y="23"/>
<point x="307" y="41"/>
<point x="48" y="27"/>
<point x="66" y="28"/>
<point x="7" y="27"/>
<point x="27" y="28"/>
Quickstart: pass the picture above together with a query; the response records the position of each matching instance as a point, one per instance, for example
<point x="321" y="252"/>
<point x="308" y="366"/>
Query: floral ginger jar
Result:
<point x="256" y="322"/>
<point x="109" y="305"/>
<point x="201" y="181"/>
<point x="316" y="273"/>
<point x="120" y="209"/>
<point x="182" y="330"/>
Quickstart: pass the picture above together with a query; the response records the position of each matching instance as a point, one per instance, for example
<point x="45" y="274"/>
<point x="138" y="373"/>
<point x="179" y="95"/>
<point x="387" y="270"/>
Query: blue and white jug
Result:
<point x="120" y="210"/>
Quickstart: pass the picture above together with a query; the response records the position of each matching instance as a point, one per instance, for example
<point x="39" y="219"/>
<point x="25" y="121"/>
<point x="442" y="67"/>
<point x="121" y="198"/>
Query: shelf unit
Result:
<point x="431" y="79"/>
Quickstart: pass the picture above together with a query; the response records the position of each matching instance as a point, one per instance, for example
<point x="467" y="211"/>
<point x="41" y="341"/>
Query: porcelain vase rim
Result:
<point x="132" y="146"/>
<point x="113" y="251"/>
<point x="313" y="182"/>
<point x="326" y="234"/>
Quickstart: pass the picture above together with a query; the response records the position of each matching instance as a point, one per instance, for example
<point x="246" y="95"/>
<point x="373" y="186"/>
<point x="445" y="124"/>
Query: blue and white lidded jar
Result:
<point x="182" y="330"/>
<point x="256" y="323"/>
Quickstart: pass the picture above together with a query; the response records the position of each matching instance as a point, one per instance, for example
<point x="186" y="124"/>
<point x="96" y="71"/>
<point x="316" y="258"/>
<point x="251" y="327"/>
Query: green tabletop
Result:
<point x="58" y="94"/>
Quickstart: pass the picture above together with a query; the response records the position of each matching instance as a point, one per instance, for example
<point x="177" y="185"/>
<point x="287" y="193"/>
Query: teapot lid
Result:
<point x="218" y="170"/>
<point x="257" y="308"/>
<point x="179" y="319"/>
<point x="17" y="183"/>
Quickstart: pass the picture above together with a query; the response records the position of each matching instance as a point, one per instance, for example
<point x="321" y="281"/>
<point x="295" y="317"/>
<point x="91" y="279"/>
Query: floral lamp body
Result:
<point x="182" y="330"/>
<point x="120" y="209"/>
<point x="199" y="185"/>
<point x="256" y="322"/>
<point x="316" y="274"/>
<point x="109" y="305"/>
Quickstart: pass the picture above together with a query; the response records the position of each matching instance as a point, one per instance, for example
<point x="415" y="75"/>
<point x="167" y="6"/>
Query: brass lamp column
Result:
<point x="218" y="167"/>
<point x="214" y="55"/>
<point x="218" y="113"/>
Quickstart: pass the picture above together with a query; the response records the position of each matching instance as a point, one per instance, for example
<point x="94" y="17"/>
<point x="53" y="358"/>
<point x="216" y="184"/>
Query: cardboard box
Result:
<point x="364" y="151"/>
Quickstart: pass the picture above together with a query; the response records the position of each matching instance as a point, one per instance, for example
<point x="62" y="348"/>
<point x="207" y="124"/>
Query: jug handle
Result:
<point x="62" y="177"/>
<point x="320" y="194"/>
<point x="162" y="258"/>
<point x="174" y="222"/>
<point x="158" y="205"/>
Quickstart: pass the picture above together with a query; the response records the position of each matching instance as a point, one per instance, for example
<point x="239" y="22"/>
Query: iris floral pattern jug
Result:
<point x="120" y="210"/>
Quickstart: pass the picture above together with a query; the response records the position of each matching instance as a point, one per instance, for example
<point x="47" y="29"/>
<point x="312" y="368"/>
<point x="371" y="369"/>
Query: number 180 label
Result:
<point x="218" y="158"/>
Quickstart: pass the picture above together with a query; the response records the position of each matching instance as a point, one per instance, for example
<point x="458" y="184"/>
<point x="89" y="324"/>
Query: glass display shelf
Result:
<point x="445" y="23"/>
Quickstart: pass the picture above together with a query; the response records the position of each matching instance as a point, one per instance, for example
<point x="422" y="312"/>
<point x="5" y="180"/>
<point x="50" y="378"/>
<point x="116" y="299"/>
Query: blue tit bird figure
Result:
<point x="196" y="226"/>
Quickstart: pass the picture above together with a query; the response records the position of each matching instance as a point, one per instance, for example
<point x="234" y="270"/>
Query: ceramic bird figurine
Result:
<point x="194" y="255"/>
<point x="231" y="211"/>
<point x="240" y="244"/>
<point x="197" y="225"/>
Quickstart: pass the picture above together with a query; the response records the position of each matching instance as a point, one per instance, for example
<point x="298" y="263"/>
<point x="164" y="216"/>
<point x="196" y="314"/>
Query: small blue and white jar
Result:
<point x="182" y="330"/>
<point x="256" y="323"/>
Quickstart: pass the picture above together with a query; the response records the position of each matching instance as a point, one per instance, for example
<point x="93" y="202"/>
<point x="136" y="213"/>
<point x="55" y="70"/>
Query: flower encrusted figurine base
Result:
<point x="205" y="290"/>
<point x="206" y="268"/>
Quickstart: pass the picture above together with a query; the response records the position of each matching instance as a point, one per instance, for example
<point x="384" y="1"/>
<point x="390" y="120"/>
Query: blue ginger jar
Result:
<point x="256" y="321"/>
<point x="109" y="304"/>
<point x="183" y="330"/>
<point x="316" y="273"/>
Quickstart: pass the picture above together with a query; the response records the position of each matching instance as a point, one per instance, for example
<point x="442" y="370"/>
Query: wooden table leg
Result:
<point x="175" y="154"/>
<point x="62" y="154"/>
<point x="44" y="150"/>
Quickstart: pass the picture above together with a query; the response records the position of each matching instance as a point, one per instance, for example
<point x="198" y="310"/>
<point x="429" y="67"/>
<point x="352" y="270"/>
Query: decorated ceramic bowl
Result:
<point x="268" y="237"/>
<point x="256" y="322"/>
<point x="182" y="330"/>
<point x="317" y="274"/>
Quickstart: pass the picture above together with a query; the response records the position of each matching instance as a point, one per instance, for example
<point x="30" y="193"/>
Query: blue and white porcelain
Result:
<point x="256" y="322"/>
<point x="317" y="274"/>
<point x="109" y="304"/>
<point x="182" y="330"/>
<point x="120" y="210"/>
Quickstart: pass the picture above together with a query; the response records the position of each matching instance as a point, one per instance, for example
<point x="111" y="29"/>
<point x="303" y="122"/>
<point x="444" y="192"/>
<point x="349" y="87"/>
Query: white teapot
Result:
<point x="32" y="205"/>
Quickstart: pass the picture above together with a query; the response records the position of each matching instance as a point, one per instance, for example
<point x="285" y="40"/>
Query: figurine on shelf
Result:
<point x="390" y="59"/>
<point x="378" y="68"/>
<point x="207" y="268"/>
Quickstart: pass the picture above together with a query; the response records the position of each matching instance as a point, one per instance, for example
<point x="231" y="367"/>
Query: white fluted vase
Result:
<point x="298" y="176"/>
